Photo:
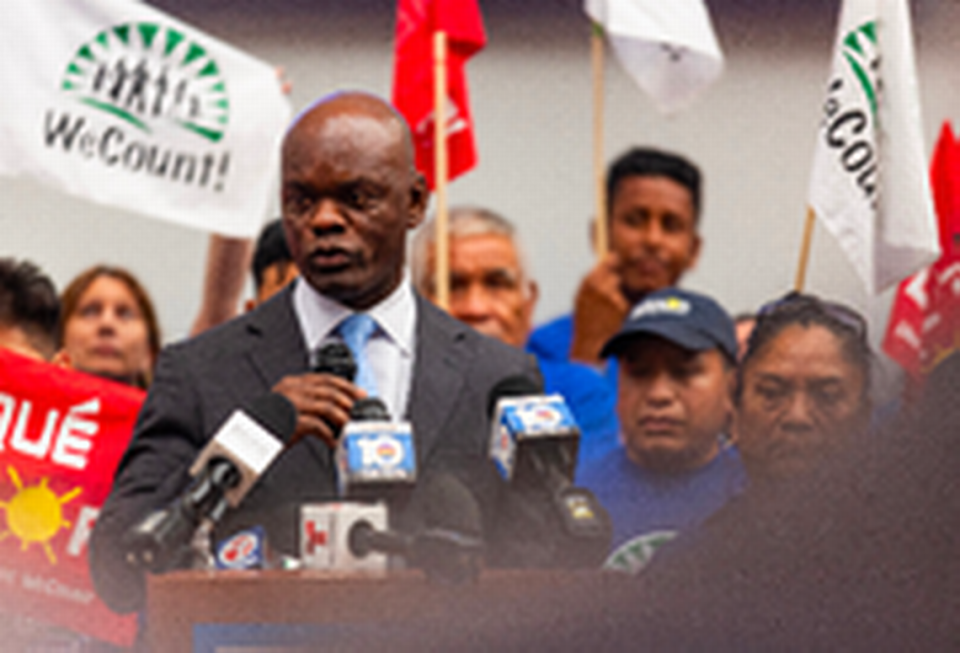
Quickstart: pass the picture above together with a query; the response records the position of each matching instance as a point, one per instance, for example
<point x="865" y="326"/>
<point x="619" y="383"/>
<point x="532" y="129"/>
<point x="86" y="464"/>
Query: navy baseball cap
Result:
<point x="690" y="320"/>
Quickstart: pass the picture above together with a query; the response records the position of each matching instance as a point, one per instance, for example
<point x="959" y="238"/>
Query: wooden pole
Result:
<point x="440" y="169"/>
<point x="601" y="237"/>
<point x="805" y="250"/>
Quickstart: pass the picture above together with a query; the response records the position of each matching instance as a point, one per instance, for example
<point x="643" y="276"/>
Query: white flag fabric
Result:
<point x="118" y="103"/>
<point x="869" y="183"/>
<point x="667" y="46"/>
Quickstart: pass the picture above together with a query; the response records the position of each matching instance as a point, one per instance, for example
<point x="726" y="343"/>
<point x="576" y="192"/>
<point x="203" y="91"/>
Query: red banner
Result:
<point x="62" y="434"/>
<point x="924" y="325"/>
<point x="417" y="22"/>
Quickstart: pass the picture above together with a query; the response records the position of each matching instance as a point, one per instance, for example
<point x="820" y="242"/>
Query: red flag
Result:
<point x="417" y="22"/>
<point x="924" y="325"/>
<point x="62" y="434"/>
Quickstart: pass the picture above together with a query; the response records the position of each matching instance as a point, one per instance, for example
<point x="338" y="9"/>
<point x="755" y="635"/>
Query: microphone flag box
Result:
<point x="524" y="419"/>
<point x="376" y="454"/>
<point x="325" y="535"/>
<point x="245" y="549"/>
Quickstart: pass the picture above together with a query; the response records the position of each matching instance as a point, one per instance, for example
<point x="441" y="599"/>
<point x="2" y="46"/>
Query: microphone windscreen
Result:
<point x="369" y="409"/>
<point x="275" y="413"/>
<point x="517" y="385"/>
<point x="449" y="505"/>
<point x="336" y="358"/>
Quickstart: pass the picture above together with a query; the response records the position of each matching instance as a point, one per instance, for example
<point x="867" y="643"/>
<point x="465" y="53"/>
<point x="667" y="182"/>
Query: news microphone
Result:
<point x="534" y="437"/>
<point x="375" y="455"/>
<point x="243" y="447"/>
<point x="448" y="548"/>
<point x="533" y="444"/>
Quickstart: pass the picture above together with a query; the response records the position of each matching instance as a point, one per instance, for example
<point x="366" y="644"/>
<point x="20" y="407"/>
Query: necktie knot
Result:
<point x="356" y="331"/>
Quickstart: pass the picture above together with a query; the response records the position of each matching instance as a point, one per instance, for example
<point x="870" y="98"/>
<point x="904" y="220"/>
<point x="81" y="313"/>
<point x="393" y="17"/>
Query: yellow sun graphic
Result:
<point x="34" y="514"/>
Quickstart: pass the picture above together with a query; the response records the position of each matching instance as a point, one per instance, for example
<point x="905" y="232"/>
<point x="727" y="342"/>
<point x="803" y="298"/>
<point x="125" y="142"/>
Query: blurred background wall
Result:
<point x="752" y="133"/>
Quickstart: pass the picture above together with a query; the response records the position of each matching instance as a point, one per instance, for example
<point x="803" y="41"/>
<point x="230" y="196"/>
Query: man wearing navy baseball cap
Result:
<point x="676" y="354"/>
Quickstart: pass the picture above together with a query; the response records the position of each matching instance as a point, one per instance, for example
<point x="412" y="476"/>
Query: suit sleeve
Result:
<point x="153" y="472"/>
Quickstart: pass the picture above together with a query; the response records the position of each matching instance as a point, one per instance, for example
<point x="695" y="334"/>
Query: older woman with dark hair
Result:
<point x="803" y="386"/>
<point x="109" y="327"/>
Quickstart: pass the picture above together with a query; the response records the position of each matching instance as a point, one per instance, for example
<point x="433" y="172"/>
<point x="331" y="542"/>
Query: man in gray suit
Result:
<point x="350" y="193"/>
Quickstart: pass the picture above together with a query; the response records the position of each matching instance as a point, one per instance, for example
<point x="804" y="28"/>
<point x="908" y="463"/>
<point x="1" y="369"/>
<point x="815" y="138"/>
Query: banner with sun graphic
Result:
<point x="62" y="434"/>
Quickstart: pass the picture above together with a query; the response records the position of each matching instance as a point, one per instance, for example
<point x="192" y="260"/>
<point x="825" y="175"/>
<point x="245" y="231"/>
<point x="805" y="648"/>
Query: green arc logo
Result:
<point x="143" y="73"/>
<point x="860" y="51"/>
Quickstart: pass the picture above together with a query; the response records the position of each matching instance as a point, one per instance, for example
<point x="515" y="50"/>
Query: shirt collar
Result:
<point x="319" y="315"/>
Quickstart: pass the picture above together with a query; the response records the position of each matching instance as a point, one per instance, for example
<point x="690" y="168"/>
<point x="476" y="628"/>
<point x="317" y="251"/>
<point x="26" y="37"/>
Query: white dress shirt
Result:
<point x="390" y="349"/>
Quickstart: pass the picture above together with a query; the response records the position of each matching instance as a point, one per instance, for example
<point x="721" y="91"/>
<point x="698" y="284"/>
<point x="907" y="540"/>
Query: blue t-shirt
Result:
<point x="649" y="509"/>
<point x="551" y="341"/>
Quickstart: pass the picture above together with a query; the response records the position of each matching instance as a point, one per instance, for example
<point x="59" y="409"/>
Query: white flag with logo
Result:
<point x="118" y="103"/>
<point x="869" y="183"/>
<point x="667" y="46"/>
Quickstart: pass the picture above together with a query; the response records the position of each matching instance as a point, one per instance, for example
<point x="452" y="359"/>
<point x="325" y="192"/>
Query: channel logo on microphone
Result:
<point x="377" y="451"/>
<point x="243" y="550"/>
<point x="527" y="418"/>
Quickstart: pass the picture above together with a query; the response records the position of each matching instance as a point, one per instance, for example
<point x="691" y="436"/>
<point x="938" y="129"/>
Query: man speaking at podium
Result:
<point x="350" y="194"/>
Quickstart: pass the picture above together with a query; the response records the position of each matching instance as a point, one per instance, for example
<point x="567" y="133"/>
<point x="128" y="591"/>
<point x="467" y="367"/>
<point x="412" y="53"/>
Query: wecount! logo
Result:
<point x="143" y="73"/>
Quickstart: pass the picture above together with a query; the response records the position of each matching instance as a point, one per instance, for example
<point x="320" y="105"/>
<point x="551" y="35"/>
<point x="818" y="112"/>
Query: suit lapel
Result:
<point x="277" y="349"/>
<point x="276" y="343"/>
<point x="442" y="359"/>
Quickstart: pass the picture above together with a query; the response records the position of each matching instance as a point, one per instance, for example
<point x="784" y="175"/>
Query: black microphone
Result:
<point x="336" y="358"/>
<point x="226" y="469"/>
<point x="534" y="444"/>
<point x="449" y="549"/>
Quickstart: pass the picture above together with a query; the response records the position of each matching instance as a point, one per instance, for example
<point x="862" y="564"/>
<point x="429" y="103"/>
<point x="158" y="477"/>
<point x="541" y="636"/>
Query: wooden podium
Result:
<point x="398" y="605"/>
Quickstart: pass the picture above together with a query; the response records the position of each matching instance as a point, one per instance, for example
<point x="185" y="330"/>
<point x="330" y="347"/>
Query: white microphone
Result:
<point x="325" y="531"/>
<point x="223" y="473"/>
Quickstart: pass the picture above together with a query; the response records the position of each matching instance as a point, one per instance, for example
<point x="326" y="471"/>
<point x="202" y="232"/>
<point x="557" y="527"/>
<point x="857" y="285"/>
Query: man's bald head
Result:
<point x="350" y="193"/>
<point x="362" y="114"/>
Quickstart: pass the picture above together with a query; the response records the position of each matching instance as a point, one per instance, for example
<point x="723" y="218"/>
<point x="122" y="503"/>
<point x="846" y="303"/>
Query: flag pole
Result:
<point x="805" y="250"/>
<point x="440" y="168"/>
<point x="600" y="203"/>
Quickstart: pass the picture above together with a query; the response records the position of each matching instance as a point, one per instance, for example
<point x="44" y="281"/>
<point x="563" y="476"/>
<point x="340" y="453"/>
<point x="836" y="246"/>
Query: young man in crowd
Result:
<point x="653" y="211"/>
<point x="273" y="266"/>
<point x="677" y="354"/>
<point x="29" y="310"/>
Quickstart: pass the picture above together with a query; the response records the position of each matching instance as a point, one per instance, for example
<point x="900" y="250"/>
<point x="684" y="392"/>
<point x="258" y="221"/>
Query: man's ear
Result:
<point x="533" y="295"/>
<point x="695" y="248"/>
<point x="732" y="403"/>
<point x="61" y="359"/>
<point x="419" y="199"/>
<point x="592" y="233"/>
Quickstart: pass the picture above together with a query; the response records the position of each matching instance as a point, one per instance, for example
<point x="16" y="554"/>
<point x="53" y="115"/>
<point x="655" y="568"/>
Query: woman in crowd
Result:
<point x="109" y="327"/>
<point x="803" y="387"/>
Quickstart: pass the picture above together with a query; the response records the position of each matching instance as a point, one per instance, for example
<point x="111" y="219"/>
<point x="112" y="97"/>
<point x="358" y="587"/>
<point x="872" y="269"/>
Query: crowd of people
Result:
<point x="685" y="414"/>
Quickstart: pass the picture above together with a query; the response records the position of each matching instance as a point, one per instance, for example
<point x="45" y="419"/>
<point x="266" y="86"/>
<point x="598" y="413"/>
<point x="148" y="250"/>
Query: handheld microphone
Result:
<point x="375" y="455"/>
<point x="533" y="444"/>
<point x="243" y="447"/>
<point x="336" y="358"/>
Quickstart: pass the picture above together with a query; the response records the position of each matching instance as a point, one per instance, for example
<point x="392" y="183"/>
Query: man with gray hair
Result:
<point x="492" y="291"/>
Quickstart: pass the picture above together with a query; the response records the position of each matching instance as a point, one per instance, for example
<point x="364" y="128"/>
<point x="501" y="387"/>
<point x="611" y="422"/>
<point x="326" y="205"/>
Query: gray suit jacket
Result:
<point x="199" y="382"/>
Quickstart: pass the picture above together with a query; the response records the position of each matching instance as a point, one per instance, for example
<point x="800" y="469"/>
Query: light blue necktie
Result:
<point x="356" y="331"/>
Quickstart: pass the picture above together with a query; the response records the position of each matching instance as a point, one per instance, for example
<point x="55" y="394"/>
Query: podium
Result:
<point x="305" y="610"/>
